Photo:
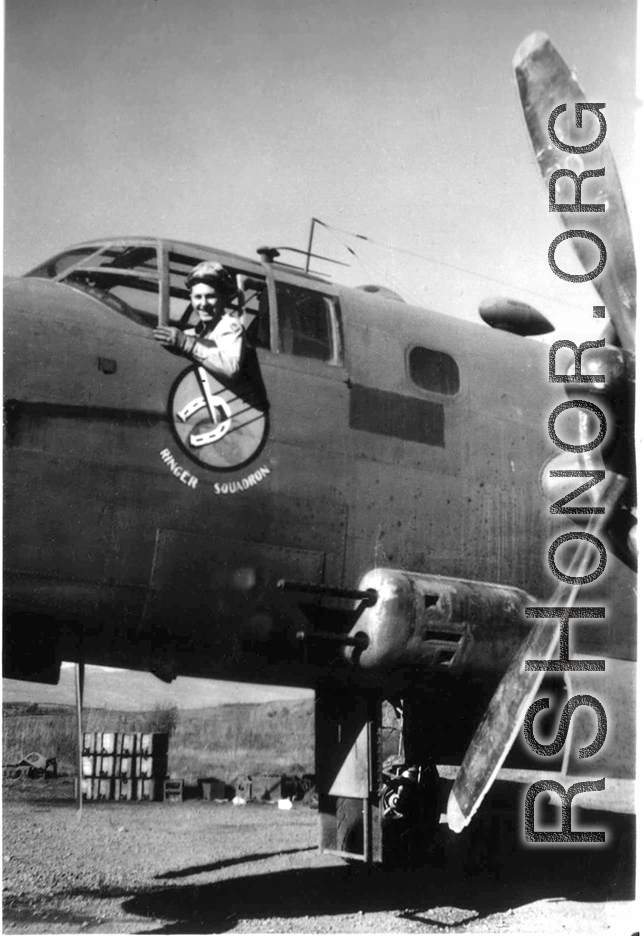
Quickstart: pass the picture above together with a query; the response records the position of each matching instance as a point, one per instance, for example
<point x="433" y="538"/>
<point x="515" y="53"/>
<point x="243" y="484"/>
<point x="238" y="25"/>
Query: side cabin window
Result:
<point x="434" y="371"/>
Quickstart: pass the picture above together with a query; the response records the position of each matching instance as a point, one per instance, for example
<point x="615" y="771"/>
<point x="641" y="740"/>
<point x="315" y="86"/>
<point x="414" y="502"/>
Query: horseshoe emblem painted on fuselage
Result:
<point x="220" y="426"/>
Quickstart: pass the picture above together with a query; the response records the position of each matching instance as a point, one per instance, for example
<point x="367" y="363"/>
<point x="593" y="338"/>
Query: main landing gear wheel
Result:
<point x="410" y="809"/>
<point x="410" y="813"/>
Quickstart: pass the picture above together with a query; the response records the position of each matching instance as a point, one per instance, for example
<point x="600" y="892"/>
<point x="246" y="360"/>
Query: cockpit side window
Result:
<point x="254" y="305"/>
<point x="304" y="318"/>
<point x="256" y="314"/>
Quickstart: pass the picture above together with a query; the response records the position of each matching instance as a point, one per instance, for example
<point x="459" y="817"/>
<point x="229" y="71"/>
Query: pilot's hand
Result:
<point x="170" y="337"/>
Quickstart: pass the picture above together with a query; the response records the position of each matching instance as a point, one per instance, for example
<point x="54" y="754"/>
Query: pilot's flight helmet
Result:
<point x="214" y="274"/>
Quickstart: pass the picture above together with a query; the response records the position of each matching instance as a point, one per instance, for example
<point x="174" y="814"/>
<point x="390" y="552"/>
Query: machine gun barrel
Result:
<point x="369" y="595"/>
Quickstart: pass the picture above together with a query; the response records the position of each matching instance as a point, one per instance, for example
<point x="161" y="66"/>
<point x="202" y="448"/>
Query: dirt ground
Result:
<point x="202" y="867"/>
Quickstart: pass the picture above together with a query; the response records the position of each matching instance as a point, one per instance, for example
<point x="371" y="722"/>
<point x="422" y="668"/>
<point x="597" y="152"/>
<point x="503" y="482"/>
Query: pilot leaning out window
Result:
<point x="217" y="342"/>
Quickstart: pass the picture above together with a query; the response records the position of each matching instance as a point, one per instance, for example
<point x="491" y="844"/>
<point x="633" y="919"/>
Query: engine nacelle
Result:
<point x="438" y="623"/>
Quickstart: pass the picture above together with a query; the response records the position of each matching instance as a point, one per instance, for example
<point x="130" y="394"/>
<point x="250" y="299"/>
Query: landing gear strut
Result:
<point x="374" y="808"/>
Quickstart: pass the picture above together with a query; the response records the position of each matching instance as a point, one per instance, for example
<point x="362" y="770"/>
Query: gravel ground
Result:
<point x="200" y="867"/>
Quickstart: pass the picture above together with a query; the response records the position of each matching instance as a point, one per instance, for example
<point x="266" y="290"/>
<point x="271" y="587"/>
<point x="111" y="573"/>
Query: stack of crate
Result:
<point x="124" y="766"/>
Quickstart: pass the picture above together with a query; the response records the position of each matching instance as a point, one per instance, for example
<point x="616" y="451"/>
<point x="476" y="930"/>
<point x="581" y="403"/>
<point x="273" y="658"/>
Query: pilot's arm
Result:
<point x="220" y="351"/>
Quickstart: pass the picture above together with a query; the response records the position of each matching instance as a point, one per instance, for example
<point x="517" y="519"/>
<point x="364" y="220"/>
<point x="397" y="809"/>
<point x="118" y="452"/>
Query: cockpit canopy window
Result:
<point x="124" y="277"/>
<point x="61" y="262"/>
<point x="137" y="257"/>
<point x="434" y="371"/>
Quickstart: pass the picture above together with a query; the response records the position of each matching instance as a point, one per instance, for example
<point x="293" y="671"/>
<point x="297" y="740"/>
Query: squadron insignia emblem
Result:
<point x="221" y="426"/>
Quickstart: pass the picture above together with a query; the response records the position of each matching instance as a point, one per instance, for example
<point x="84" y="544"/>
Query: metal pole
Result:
<point x="310" y="247"/>
<point x="80" y="679"/>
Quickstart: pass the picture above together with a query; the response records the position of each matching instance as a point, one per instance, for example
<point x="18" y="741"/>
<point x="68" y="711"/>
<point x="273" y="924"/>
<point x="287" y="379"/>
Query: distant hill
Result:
<point x="133" y="691"/>
<point x="220" y="740"/>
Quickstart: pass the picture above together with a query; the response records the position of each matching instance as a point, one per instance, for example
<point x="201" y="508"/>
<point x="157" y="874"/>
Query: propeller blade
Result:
<point x="544" y="82"/>
<point x="516" y="691"/>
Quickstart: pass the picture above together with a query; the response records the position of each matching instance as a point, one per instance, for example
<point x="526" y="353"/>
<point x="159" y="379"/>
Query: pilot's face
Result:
<point x="206" y="301"/>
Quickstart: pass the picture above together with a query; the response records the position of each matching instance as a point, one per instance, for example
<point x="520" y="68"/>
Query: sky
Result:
<point x="107" y="687"/>
<point x="233" y="122"/>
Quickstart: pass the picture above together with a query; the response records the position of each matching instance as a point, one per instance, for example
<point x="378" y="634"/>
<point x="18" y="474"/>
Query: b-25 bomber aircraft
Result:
<point x="364" y="510"/>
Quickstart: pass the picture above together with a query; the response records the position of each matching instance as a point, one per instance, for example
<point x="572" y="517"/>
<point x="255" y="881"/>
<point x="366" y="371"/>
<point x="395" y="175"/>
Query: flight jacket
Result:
<point x="219" y="347"/>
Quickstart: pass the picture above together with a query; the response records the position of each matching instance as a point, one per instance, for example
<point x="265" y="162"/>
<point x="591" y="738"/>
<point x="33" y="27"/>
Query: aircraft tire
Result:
<point x="350" y="825"/>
